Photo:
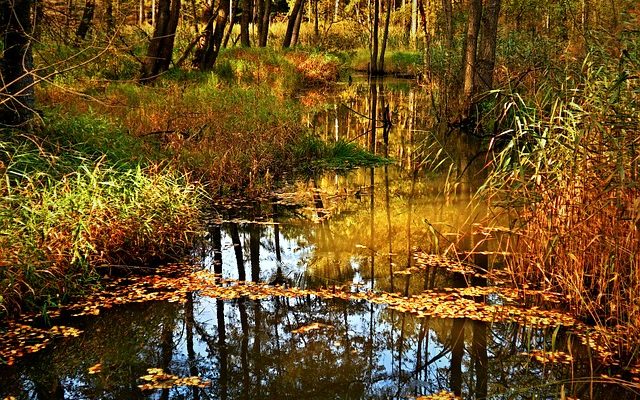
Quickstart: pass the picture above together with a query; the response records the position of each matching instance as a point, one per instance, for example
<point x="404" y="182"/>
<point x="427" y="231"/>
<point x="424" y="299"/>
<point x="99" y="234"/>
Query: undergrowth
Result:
<point x="319" y="155"/>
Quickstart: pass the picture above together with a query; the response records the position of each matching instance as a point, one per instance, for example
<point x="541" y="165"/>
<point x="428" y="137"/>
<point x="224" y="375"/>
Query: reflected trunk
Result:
<point x="254" y="249"/>
<point x="372" y="225"/>
<point x="216" y="239"/>
<point x="222" y="348"/>
<point x="189" y="321"/>
<point x="244" y="348"/>
<point x="457" y="343"/>
<point x="389" y="239"/>
<point x="166" y="350"/>
<point x="237" y="248"/>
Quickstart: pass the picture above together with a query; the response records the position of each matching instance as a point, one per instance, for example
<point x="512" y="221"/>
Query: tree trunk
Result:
<point x="487" y="45"/>
<point x="385" y="36"/>
<point x="86" y="21"/>
<point x="316" y="25"/>
<point x="207" y="54"/>
<point x="247" y="12"/>
<point x="414" y="23"/>
<point x="266" y="19"/>
<point x="448" y="23"/>
<point x="260" y="6"/>
<point x="141" y="12"/>
<point x="108" y="16"/>
<point x="233" y="9"/>
<point x="296" y="28"/>
<point x="160" y="49"/>
<point x="297" y="6"/>
<point x="373" y="68"/>
<point x="473" y="28"/>
<point x="17" y="98"/>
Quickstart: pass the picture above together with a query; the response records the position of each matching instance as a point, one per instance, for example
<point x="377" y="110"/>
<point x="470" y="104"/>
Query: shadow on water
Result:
<point x="351" y="232"/>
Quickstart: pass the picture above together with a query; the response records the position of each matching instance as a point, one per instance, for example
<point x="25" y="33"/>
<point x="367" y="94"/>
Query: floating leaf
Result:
<point x="311" y="327"/>
<point x="158" y="379"/>
<point x="97" y="368"/>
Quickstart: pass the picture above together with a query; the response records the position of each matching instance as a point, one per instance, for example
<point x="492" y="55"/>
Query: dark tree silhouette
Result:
<point x="17" y="99"/>
<point x="161" y="47"/>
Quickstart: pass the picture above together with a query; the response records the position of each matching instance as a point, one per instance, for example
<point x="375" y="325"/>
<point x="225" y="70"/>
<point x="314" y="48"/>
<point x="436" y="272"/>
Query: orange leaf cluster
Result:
<point x="156" y="378"/>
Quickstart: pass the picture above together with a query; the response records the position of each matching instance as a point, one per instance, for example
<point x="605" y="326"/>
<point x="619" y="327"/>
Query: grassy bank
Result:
<point x="64" y="211"/>
<point x="237" y="127"/>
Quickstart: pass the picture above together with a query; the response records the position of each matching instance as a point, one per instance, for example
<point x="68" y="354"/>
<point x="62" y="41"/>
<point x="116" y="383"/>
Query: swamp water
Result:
<point x="368" y="284"/>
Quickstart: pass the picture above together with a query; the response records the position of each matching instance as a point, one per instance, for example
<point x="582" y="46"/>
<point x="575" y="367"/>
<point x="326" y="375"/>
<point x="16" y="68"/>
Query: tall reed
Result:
<point x="569" y="168"/>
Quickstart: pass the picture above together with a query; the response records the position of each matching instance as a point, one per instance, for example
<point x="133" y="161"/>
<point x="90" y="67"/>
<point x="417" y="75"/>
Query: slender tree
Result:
<point x="414" y="23"/>
<point x="296" y="28"/>
<point x="264" y="26"/>
<point x="245" y="20"/>
<point x="487" y="45"/>
<point x="17" y="98"/>
<point x="447" y="10"/>
<point x="473" y="28"/>
<point x="385" y="36"/>
<point x="86" y="21"/>
<point x="160" y="49"/>
<point x="108" y="16"/>
<point x="297" y="8"/>
<point x="373" y="67"/>
<point x="207" y="54"/>
<point x="233" y="10"/>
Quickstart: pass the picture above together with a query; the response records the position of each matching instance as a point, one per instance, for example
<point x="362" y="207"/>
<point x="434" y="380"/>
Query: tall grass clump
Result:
<point x="314" y="154"/>
<point x="62" y="213"/>
<point x="569" y="170"/>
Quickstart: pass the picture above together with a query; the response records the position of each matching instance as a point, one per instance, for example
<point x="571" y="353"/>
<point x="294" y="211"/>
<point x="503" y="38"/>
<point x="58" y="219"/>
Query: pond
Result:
<point x="377" y="283"/>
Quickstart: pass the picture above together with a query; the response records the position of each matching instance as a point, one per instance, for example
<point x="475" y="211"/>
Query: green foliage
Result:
<point x="96" y="136"/>
<point x="405" y="62"/>
<point x="258" y="66"/>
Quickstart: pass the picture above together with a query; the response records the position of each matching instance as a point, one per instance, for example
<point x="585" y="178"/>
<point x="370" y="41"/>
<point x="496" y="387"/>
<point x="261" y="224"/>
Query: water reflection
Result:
<point x="358" y="230"/>
<point x="256" y="349"/>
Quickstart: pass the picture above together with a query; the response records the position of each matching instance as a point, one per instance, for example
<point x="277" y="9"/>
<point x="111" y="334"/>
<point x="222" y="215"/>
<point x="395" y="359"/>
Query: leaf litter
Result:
<point x="173" y="282"/>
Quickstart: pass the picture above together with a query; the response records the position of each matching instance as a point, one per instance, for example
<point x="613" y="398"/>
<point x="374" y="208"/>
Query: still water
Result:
<point x="360" y="231"/>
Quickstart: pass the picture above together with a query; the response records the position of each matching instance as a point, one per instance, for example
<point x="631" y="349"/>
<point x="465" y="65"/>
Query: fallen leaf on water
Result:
<point x="95" y="368"/>
<point x="544" y="357"/>
<point x="444" y="395"/>
<point x="158" y="379"/>
<point x="310" y="327"/>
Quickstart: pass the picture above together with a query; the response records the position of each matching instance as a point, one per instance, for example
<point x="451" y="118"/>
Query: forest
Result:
<point x="407" y="199"/>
